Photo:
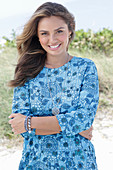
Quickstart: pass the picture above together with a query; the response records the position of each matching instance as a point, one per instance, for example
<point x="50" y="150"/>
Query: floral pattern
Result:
<point x="74" y="89"/>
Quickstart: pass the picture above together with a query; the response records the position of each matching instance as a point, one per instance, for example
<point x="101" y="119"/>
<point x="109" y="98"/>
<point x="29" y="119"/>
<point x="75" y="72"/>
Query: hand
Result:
<point x="87" y="133"/>
<point x="17" y="123"/>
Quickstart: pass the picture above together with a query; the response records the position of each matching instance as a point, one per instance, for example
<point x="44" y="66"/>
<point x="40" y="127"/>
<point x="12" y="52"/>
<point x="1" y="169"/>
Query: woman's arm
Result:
<point x="47" y="124"/>
<point x="86" y="134"/>
<point x="43" y="125"/>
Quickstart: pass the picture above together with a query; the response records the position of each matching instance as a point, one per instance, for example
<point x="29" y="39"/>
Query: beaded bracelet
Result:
<point x="29" y="124"/>
<point x="25" y="123"/>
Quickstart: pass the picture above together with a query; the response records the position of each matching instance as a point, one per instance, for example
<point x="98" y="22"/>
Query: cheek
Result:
<point x="63" y="38"/>
<point x="43" y="41"/>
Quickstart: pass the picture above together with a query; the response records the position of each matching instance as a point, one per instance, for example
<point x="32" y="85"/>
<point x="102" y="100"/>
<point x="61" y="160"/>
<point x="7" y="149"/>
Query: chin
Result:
<point x="55" y="53"/>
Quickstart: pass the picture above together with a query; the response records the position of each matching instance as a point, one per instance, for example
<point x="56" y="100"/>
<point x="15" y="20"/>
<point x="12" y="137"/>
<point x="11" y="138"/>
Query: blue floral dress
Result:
<point x="74" y="89"/>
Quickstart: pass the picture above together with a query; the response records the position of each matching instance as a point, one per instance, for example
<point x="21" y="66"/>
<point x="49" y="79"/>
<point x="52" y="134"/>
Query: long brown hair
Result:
<point x="31" y="54"/>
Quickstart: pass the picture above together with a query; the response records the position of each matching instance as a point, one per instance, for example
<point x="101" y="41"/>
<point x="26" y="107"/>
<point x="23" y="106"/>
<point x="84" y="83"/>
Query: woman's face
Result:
<point x="53" y="35"/>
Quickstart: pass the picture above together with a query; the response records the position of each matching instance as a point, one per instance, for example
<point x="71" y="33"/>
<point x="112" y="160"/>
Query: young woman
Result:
<point x="55" y="95"/>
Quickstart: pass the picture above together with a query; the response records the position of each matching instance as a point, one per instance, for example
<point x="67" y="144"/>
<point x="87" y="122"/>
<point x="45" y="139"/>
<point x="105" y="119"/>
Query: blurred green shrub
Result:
<point x="99" y="41"/>
<point x="10" y="42"/>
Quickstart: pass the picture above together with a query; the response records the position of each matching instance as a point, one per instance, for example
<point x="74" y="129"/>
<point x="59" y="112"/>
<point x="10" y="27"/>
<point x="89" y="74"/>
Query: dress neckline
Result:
<point x="60" y="66"/>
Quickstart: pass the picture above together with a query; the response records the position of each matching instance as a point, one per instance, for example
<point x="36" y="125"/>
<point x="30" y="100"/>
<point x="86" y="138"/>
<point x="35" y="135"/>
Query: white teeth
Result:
<point x="55" y="46"/>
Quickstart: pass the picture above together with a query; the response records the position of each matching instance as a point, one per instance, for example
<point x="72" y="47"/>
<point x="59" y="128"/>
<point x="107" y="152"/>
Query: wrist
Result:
<point x="27" y="124"/>
<point x="32" y="122"/>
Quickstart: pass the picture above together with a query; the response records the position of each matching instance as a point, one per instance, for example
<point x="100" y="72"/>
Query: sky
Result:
<point x="89" y="14"/>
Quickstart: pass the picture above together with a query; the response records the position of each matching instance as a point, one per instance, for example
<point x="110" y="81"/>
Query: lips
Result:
<point x="55" y="46"/>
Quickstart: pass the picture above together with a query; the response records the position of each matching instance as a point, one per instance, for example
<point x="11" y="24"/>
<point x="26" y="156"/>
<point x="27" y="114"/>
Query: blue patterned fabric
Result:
<point x="74" y="88"/>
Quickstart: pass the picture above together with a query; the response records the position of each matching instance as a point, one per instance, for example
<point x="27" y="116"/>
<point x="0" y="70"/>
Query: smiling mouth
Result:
<point x="56" y="46"/>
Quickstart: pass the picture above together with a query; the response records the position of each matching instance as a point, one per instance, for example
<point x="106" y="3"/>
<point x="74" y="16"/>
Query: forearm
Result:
<point x="45" y="125"/>
<point x="45" y="132"/>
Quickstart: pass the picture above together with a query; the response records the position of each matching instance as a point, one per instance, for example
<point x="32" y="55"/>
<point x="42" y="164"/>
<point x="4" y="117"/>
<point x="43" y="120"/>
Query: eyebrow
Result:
<point x="55" y="29"/>
<point x="59" y="28"/>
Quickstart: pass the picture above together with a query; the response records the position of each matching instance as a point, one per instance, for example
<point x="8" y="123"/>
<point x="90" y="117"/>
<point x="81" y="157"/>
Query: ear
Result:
<point x="70" y="34"/>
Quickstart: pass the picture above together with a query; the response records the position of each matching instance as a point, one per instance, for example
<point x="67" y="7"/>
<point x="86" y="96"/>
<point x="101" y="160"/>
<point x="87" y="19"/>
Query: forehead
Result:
<point x="51" y="22"/>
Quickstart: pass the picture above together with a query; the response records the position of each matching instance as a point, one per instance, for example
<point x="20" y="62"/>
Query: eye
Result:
<point x="59" y="31"/>
<point x="44" y="33"/>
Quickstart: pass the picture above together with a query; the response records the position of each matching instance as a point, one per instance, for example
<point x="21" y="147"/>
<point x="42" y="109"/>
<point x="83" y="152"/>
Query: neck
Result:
<point x="56" y="61"/>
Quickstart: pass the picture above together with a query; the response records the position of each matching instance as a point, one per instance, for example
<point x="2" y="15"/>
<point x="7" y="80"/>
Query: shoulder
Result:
<point x="85" y="62"/>
<point x="82" y="60"/>
<point x="22" y="88"/>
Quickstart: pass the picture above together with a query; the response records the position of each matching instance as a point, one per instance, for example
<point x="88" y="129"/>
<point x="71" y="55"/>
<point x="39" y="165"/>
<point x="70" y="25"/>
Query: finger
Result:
<point x="92" y="127"/>
<point x="10" y="121"/>
<point x="13" y="130"/>
<point x="15" y="133"/>
<point x="90" y="138"/>
<point x="12" y="126"/>
<point x="90" y="135"/>
<point x="90" y="132"/>
<point x="12" y="115"/>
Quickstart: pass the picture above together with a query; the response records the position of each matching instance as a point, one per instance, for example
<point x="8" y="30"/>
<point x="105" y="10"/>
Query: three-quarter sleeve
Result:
<point x="21" y="101"/>
<point x="82" y="118"/>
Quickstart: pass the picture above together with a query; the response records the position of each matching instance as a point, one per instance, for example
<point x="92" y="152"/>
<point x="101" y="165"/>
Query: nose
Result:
<point x="52" y="38"/>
